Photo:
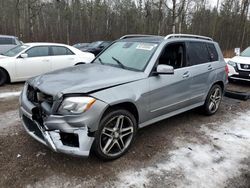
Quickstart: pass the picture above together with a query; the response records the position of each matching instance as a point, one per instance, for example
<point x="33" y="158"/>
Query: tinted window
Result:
<point x="246" y="52"/>
<point x="105" y="44"/>
<point x="59" y="50"/>
<point x="212" y="52"/>
<point x="16" y="50"/>
<point x="5" y="40"/>
<point x="173" y="55"/>
<point x="197" y="53"/>
<point x="38" y="51"/>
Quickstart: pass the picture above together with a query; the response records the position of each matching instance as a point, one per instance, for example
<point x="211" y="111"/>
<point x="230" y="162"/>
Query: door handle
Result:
<point x="209" y="67"/>
<point x="45" y="60"/>
<point x="186" y="75"/>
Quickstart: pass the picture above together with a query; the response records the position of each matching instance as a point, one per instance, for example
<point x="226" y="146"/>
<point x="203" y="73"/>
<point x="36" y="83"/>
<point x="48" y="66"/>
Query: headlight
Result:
<point x="76" y="105"/>
<point x="231" y="63"/>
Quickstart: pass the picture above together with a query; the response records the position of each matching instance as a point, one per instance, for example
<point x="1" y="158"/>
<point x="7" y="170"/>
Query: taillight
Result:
<point x="227" y="70"/>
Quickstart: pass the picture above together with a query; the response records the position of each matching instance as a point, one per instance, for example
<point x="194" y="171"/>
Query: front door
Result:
<point x="37" y="62"/>
<point x="169" y="93"/>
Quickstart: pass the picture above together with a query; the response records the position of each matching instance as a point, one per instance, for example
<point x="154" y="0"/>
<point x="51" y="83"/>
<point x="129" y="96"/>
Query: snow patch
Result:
<point x="199" y="164"/>
<point x="9" y="94"/>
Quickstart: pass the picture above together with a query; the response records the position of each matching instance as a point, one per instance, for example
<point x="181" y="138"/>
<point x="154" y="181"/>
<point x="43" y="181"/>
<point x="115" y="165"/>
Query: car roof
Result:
<point x="154" y="39"/>
<point x="7" y="36"/>
<point x="44" y="44"/>
<point x="170" y="37"/>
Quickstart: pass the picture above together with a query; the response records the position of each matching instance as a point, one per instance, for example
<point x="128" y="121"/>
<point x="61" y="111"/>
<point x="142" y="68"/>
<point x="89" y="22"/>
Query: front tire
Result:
<point x="115" y="135"/>
<point x="213" y="100"/>
<point x="3" y="77"/>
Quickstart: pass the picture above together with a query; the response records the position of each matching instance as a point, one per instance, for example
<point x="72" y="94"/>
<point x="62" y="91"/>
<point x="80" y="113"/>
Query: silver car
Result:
<point x="138" y="80"/>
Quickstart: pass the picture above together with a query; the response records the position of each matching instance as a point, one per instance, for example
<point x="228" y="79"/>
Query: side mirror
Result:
<point x="164" y="69"/>
<point x="24" y="55"/>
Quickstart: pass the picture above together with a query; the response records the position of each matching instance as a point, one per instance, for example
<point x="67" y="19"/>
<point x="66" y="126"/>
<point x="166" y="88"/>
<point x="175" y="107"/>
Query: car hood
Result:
<point x="2" y="56"/>
<point x="83" y="79"/>
<point x="241" y="59"/>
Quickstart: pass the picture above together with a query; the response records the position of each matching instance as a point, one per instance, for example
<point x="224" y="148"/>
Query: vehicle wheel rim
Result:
<point x="116" y="135"/>
<point x="215" y="99"/>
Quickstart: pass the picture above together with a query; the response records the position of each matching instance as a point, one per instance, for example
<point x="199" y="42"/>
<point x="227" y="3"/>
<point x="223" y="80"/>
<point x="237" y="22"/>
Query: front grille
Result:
<point x="42" y="101"/>
<point x="36" y="96"/>
<point x="31" y="94"/>
<point x="245" y="66"/>
<point x="32" y="127"/>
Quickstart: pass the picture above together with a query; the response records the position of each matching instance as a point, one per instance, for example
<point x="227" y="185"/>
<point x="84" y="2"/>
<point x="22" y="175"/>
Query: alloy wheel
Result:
<point x="215" y="99"/>
<point x="116" y="135"/>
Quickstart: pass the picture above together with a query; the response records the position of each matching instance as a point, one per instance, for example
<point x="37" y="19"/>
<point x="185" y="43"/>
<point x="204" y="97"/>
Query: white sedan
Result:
<point x="32" y="59"/>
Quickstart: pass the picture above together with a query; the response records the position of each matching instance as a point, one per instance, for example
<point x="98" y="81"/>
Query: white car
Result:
<point x="239" y="66"/>
<point x="32" y="59"/>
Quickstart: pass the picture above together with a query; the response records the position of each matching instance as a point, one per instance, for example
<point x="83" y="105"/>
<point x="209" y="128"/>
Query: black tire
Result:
<point x="116" y="137"/>
<point x="210" y="100"/>
<point x="3" y="77"/>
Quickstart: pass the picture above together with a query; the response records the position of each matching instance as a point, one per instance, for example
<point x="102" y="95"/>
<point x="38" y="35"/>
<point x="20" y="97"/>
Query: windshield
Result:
<point x="94" y="44"/>
<point x="14" y="51"/>
<point x="246" y="52"/>
<point x="128" y="55"/>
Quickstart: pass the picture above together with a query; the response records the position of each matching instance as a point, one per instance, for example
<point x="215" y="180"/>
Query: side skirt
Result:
<point x="165" y="116"/>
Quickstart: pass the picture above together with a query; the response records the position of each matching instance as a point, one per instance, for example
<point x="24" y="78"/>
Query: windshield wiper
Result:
<point x="119" y="63"/>
<point x="100" y="60"/>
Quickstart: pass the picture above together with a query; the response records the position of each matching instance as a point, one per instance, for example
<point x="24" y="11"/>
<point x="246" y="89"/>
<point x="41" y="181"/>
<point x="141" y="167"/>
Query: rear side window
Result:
<point x="5" y="41"/>
<point x="60" y="50"/>
<point x="38" y="51"/>
<point x="197" y="53"/>
<point x="212" y="52"/>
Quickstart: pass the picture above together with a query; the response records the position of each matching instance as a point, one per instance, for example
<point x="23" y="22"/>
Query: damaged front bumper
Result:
<point x="65" y="134"/>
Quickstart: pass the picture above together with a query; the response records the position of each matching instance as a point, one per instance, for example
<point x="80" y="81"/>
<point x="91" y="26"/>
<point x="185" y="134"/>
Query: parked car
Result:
<point x="7" y="42"/>
<point x="32" y="59"/>
<point x="135" y="82"/>
<point x="96" y="47"/>
<point x="81" y="45"/>
<point x="239" y="66"/>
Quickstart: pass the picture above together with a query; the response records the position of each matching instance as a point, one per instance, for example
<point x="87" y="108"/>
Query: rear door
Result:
<point x="37" y="62"/>
<point x="202" y="57"/>
<point x="62" y="57"/>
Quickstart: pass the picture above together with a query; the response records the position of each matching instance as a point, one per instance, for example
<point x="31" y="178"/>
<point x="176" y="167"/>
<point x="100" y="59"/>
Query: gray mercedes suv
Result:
<point x="138" y="80"/>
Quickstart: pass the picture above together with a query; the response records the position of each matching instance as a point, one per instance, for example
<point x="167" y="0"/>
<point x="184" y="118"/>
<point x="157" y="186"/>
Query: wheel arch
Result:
<point x="129" y="106"/>
<point x="220" y="83"/>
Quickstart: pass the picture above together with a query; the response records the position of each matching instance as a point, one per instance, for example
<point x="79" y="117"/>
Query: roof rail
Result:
<point x="136" y="35"/>
<point x="187" y="36"/>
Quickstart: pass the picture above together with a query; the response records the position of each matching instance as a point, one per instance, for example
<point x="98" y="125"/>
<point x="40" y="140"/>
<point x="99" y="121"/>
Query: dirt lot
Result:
<point x="188" y="150"/>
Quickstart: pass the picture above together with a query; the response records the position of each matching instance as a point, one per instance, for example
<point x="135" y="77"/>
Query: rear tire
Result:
<point x="115" y="135"/>
<point x="3" y="77"/>
<point x="213" y="100"/>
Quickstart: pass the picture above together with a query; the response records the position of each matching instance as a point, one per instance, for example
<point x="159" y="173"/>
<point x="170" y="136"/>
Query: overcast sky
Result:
<point x="213" y="2"/>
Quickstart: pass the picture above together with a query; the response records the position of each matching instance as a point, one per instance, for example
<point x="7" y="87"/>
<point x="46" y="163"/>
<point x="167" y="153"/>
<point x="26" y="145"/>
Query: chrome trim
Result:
<point x="187" y="36"/>
<point x="243" y="79"/>
<point x="239" y="67"/>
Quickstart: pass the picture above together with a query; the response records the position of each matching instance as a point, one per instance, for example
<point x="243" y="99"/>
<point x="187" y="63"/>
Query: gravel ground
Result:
<point x="188" y="150"/>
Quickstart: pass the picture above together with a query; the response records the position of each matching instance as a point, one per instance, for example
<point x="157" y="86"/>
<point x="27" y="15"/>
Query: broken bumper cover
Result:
<point x="65" y="134"/>
<point x="53" y="139"/>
